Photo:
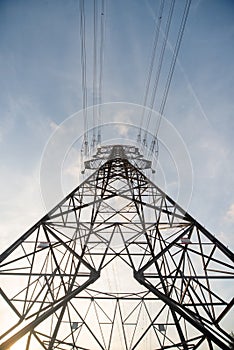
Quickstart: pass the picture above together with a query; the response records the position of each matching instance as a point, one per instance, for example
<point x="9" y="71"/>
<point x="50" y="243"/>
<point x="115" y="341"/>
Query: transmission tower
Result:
<point x="116" y="265"/>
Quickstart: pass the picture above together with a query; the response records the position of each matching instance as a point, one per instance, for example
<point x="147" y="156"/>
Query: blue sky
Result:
<point x="41" y="87"/>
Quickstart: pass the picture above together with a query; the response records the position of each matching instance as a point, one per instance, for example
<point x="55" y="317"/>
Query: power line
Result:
<point x="158" y="68"/>
<point x="155" y="44"/>
<point x="94" y="71"/>
<point x="101" y="59"/>
<point x="98" y="26"/>
<point x="83" y="73"/>
<point x="175" y="55"/>
<point x="160" y="64"/>
<point x="172" y="67"/>
<point x="171" y="72"/>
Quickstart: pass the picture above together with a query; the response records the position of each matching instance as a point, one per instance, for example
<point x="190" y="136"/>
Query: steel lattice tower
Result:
<point x="116" y="265"/>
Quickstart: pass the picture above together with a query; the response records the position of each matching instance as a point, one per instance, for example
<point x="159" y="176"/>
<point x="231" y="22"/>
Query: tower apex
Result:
<point x="108" y="152"/>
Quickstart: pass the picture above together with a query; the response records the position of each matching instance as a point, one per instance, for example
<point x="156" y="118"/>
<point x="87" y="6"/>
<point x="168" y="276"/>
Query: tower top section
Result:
<point x="111" y="152"/>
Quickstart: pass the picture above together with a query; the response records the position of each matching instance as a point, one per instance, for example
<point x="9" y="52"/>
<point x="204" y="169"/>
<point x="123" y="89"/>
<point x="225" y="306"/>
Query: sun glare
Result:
<point x="19" y="345"/>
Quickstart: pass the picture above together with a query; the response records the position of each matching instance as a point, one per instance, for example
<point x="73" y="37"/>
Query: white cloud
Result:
<point x="53" y="125"/>
<point x="215" y="155"/>
<point x="230" y="213"/>
<point x="6" y="125"/>
<point x="21" y="205"/>
<point x="123" y="118"/>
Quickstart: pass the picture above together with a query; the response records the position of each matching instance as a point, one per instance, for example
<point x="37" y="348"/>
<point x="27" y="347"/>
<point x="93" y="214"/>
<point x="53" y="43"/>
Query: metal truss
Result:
<point x="116" y="265"/>
<point x="118" y="151"/>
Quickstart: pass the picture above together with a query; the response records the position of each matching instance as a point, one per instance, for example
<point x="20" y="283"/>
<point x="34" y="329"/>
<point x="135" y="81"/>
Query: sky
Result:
<point x="40" y="88"/>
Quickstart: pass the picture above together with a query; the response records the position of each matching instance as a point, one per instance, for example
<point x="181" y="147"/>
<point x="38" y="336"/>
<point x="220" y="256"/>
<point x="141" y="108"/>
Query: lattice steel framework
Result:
<point x="116" y="265"/>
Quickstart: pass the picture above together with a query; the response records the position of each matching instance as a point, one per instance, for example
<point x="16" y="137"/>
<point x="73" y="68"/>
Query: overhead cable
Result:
<point x="160" y="64"/>
<point x="175" y="55"/>
<point x="151" y="66"/>
<point x="101" y="62"/>
<point x="83" y="73"/>
<point x="94" y="71"/>
<point x="171" y="71"/>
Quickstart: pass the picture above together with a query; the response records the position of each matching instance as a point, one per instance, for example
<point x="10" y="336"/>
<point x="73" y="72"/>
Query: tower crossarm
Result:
<point x="131" y="153"/>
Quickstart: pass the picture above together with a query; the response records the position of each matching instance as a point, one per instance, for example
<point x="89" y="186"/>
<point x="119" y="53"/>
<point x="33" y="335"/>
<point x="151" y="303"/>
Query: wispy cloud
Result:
<point x="6" y="125"/>
<point x="229" y="216"/>
<point x="123" y="118"/>
<point x="18" y="212"/>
